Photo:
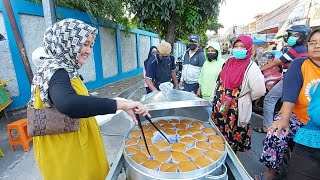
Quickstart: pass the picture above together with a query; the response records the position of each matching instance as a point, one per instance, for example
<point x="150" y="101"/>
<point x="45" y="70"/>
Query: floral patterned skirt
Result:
<point x="274" y="147"/>
<point x="238" y="138"/>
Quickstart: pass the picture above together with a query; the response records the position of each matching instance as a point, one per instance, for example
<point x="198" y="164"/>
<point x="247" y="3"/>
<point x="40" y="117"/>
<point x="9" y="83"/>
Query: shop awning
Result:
<point x="273" y="27"/>
<point x="314" y="15"/>
<point x="296" y="17"/>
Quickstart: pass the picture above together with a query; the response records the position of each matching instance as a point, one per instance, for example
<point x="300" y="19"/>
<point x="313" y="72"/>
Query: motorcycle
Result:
<point x="271" y="76"/>
<point x="179" y="68"/>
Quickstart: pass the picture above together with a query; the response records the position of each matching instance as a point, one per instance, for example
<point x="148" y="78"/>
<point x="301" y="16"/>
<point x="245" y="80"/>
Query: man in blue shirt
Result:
<point x="161" y="68"/>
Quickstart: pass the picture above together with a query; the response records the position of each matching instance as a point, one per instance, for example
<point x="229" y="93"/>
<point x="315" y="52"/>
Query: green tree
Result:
<point x="176" y="19"/>
<point x="110" y="9"/>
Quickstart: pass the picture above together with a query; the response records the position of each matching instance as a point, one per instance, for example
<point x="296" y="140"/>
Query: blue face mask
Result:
<point x="292" y="41"/>
<point x="239" y="53"/>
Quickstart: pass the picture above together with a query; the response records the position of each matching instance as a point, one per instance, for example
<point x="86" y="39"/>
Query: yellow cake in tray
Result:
<point x="213" y="155"/>
<point x="181" y="126"/>
<point x="188" y="140"/>
<point x="202" y="162"/>
<point x="197" y="124"/>
<point x="186" y="166"/>
<point x="209" y="131"/>
<point x="139" y="157"/>
<point x="135" y="133"/>
<point x="216" y="138"/>
<point x="162" y="121"/>
<point x="170" y="132"/>
<point x="186" y="121"/>
<point x="217" y="146"/>
<point x="131" y="141"/>
<point x="162" y="156"/>
<point x="200" y="137"/>
<point x="167" y="126"/>
<point x="178" y="147"/>
<point x="142" y="144"/>
<point x="203" y="145"/>
<point x="130" y="150"/>
<point x="153" y="150"/>
<point x="168" y="167"/>
<point x="194" y="153"/>
<point x="179" y="157"/>
<point x="192" y="146"/>
<point x="194" y="130"/>
<point x="151" y="164"/>
<point x="174" y="121"/>
<point x="183" y="133"/>
<point x="161" y="144"/>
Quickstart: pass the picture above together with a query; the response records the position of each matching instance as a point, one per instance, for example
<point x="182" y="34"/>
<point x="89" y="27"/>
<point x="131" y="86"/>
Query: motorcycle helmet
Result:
<point x="303" y="30"/>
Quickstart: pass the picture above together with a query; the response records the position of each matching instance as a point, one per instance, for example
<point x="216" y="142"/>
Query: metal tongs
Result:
<point x="144" y="138"/>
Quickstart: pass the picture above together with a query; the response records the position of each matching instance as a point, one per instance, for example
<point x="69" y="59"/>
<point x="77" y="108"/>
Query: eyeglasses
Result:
<point x="313" y="43"/>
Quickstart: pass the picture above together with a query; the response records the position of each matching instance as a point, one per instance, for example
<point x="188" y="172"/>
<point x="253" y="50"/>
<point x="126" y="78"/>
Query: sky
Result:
<point x="242" y="12"/>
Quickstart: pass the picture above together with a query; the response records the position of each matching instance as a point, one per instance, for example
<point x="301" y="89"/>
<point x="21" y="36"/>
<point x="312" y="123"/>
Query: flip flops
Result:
<point x="260" y="129"/>
<point x="258" y="177"/>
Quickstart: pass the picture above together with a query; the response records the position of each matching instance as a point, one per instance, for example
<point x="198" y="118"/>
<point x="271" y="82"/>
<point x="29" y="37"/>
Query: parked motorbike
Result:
<point x="272" y="76"/>
<point x="179" y="68"/>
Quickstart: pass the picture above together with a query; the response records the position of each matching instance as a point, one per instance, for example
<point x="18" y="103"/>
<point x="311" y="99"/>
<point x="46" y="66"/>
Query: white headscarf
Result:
<point x="62" y="43"/>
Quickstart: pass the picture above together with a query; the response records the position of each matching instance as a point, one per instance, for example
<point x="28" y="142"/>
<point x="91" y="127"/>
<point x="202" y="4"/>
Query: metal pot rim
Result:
<point x="182" y="175"/>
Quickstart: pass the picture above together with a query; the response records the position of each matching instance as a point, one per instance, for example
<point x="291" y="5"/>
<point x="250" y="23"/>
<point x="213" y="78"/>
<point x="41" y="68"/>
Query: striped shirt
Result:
<point x="291" y="54"/>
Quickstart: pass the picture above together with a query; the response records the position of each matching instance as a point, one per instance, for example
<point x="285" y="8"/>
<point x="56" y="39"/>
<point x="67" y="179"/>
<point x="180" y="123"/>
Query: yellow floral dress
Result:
<point x="77" y="155"/>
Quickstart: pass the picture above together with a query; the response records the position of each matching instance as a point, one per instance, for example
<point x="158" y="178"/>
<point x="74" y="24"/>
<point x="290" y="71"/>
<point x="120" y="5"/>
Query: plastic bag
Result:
<point x="166" y="87"/>
<point x="225" y="104"/>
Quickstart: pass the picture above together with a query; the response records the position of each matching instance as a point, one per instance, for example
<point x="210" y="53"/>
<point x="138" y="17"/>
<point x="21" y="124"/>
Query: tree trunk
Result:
<point x="171" y="33"/>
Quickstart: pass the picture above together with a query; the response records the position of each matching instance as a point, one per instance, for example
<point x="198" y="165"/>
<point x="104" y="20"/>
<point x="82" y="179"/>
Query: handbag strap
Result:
<point x="245" y="77"/>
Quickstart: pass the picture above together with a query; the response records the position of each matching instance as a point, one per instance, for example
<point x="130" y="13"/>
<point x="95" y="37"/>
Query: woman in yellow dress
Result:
<point x="78" y="155"/>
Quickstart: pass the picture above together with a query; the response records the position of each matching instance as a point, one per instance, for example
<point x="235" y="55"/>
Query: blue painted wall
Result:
<point x="29" y="8"/>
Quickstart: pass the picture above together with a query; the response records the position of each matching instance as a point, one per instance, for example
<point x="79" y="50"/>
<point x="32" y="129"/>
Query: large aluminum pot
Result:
<point x="216" y="170"/>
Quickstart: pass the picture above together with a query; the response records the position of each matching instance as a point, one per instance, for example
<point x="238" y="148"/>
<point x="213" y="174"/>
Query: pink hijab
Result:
<point x="232" y="73"/>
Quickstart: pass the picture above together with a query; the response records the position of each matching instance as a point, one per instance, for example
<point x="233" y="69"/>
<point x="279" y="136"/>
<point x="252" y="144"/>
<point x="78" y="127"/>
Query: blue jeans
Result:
<point x="191" y="87"/>
<point x="270" y="102"/>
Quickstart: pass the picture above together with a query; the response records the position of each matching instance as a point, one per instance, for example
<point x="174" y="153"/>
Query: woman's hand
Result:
<point x="199" y="92"/>
<point x="279" y="126"/>
<point x="133" y="108"/>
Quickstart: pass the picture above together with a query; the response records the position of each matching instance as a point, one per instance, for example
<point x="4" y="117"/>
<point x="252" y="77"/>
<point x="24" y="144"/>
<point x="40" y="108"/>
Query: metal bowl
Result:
<point x="137" y="171"/>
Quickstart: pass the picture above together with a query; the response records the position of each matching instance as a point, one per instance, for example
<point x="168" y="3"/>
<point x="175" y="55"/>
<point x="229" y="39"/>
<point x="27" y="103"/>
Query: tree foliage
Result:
<point x="110" y="9"/>
<point x="176" y="19"/>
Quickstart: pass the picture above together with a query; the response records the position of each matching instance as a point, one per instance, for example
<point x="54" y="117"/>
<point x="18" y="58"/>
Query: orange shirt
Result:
<point x="311" y="75"/>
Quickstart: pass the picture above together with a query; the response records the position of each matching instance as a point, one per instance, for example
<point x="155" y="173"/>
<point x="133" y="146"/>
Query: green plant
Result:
<point x="176" y="19"/>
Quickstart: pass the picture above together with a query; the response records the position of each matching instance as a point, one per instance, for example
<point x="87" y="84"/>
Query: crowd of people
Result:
<point x="231" y="85"/>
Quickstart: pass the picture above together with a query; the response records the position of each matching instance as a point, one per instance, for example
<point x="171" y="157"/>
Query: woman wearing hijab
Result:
<point x="152" y="52"/>
<point x="239" y="83"/>
<point x="210" y="70"/>
<point x="80" y="154"/>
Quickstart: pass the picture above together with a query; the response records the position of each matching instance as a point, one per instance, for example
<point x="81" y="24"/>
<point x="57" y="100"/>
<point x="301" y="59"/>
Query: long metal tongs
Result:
<point x="144" y="138"/>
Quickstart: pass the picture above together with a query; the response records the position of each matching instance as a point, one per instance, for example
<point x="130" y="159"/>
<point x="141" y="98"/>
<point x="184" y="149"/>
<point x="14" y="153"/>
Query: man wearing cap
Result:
<point x="193" y="60"/>
<point x="161" y="68"/>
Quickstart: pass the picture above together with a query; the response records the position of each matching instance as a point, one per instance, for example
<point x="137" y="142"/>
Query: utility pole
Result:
<point x="18" y="38"/>
<point x="49" y="11"/>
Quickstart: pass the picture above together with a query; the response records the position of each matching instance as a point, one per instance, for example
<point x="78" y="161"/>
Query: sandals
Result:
<point x="260" y="129"/>
<point x="260" y="177"/>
